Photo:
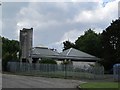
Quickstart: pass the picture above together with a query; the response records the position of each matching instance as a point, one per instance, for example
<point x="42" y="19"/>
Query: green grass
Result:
<point x="100" y="85"/>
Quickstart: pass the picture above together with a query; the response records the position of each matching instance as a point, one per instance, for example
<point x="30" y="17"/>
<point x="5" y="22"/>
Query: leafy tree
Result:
<point x="0" y="47"/>
<point x="105" y="45"/>
<point x="90" y="43"/>
<point x="111" y="44"/>
<point x="9" y="51"/>
<point x="67" y="45"/>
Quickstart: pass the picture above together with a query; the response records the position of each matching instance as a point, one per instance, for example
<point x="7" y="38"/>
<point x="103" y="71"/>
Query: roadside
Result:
<point x="15" y="81"/>
<point x="99" y="86"/>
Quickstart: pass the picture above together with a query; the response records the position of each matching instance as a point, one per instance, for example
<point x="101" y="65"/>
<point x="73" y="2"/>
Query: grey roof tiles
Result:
<point x="73" y="54"/>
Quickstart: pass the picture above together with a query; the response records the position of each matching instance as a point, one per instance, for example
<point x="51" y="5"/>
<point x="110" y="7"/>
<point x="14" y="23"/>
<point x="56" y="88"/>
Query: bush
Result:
<point x="48" y="61"/>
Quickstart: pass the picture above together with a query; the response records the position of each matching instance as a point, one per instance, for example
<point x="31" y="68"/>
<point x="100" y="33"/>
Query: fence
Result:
<point x="54" y="70"/>
<point x="116" y="72"/>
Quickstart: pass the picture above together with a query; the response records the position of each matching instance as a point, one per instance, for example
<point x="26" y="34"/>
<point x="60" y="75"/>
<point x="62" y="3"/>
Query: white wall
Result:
<point x="82" y="63"/>
<point x="79" y="63"/>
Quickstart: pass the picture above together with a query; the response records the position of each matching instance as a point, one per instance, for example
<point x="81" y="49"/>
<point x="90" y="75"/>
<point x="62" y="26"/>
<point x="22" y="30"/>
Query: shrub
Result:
<point x="48" y="61"/>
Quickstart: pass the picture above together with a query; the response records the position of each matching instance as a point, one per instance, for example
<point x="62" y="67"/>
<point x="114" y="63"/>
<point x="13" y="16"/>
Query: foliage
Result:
<point x="68" y="44"/>
<point x="48" y="61"/>
<point x="111" y="44"/>
<point x="105" y="45"/>
<point x="9" y="51"/>
<point x="89" y="43"/>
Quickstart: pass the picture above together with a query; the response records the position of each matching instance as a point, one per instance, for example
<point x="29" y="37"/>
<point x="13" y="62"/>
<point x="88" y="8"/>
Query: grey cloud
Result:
<point x="51" y="21"/>
<point x="119" y="9"/>
<point x="9" y="9"/>
<point x="9" y="12"/>
<point x="61" y="11"/>
<point x="9" y="28"/>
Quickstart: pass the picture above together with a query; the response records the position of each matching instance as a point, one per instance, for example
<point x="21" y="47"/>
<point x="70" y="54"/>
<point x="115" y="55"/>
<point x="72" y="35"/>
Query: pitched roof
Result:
<point x="78" y="55"/>
<point x="75" y="52"/>
<point x="43" y="52"/>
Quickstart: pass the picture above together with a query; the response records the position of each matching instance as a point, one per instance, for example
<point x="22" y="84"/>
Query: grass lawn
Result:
<point x="100" y="85"/>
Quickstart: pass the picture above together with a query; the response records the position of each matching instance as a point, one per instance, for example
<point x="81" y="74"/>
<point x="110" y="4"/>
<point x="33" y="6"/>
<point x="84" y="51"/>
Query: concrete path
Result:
<point x="15" y="81"/>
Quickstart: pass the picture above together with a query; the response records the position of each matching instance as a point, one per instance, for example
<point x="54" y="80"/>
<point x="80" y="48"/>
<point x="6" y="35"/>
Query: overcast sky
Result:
<point x="55" y="22"/>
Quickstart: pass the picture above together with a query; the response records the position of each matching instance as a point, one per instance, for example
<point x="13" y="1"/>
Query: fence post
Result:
<point x="65" y="71"/>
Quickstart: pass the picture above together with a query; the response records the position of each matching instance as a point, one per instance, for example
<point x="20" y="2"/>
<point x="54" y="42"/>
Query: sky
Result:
<point x="55" y="22"/>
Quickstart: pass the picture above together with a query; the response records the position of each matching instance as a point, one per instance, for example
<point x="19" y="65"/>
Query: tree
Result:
<point x="67" y="45"/>
<point x="90" y="43"/>
<point x="111" y="44"/>
<point x="9" y="51"/>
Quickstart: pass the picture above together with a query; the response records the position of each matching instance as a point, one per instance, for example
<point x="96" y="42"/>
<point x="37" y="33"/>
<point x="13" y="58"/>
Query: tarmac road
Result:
<point x="16" y="81"/>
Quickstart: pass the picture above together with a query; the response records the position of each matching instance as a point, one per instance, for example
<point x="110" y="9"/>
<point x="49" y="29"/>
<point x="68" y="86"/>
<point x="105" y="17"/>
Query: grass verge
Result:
<point x="100" y="85"/>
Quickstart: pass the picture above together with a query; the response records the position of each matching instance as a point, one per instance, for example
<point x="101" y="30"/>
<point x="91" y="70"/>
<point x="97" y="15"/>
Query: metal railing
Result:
<point x="55" y="70"/>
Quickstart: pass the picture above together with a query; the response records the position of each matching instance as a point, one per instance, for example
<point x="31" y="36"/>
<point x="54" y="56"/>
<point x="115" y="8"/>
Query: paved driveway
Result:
<point x="15" y="81"/>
